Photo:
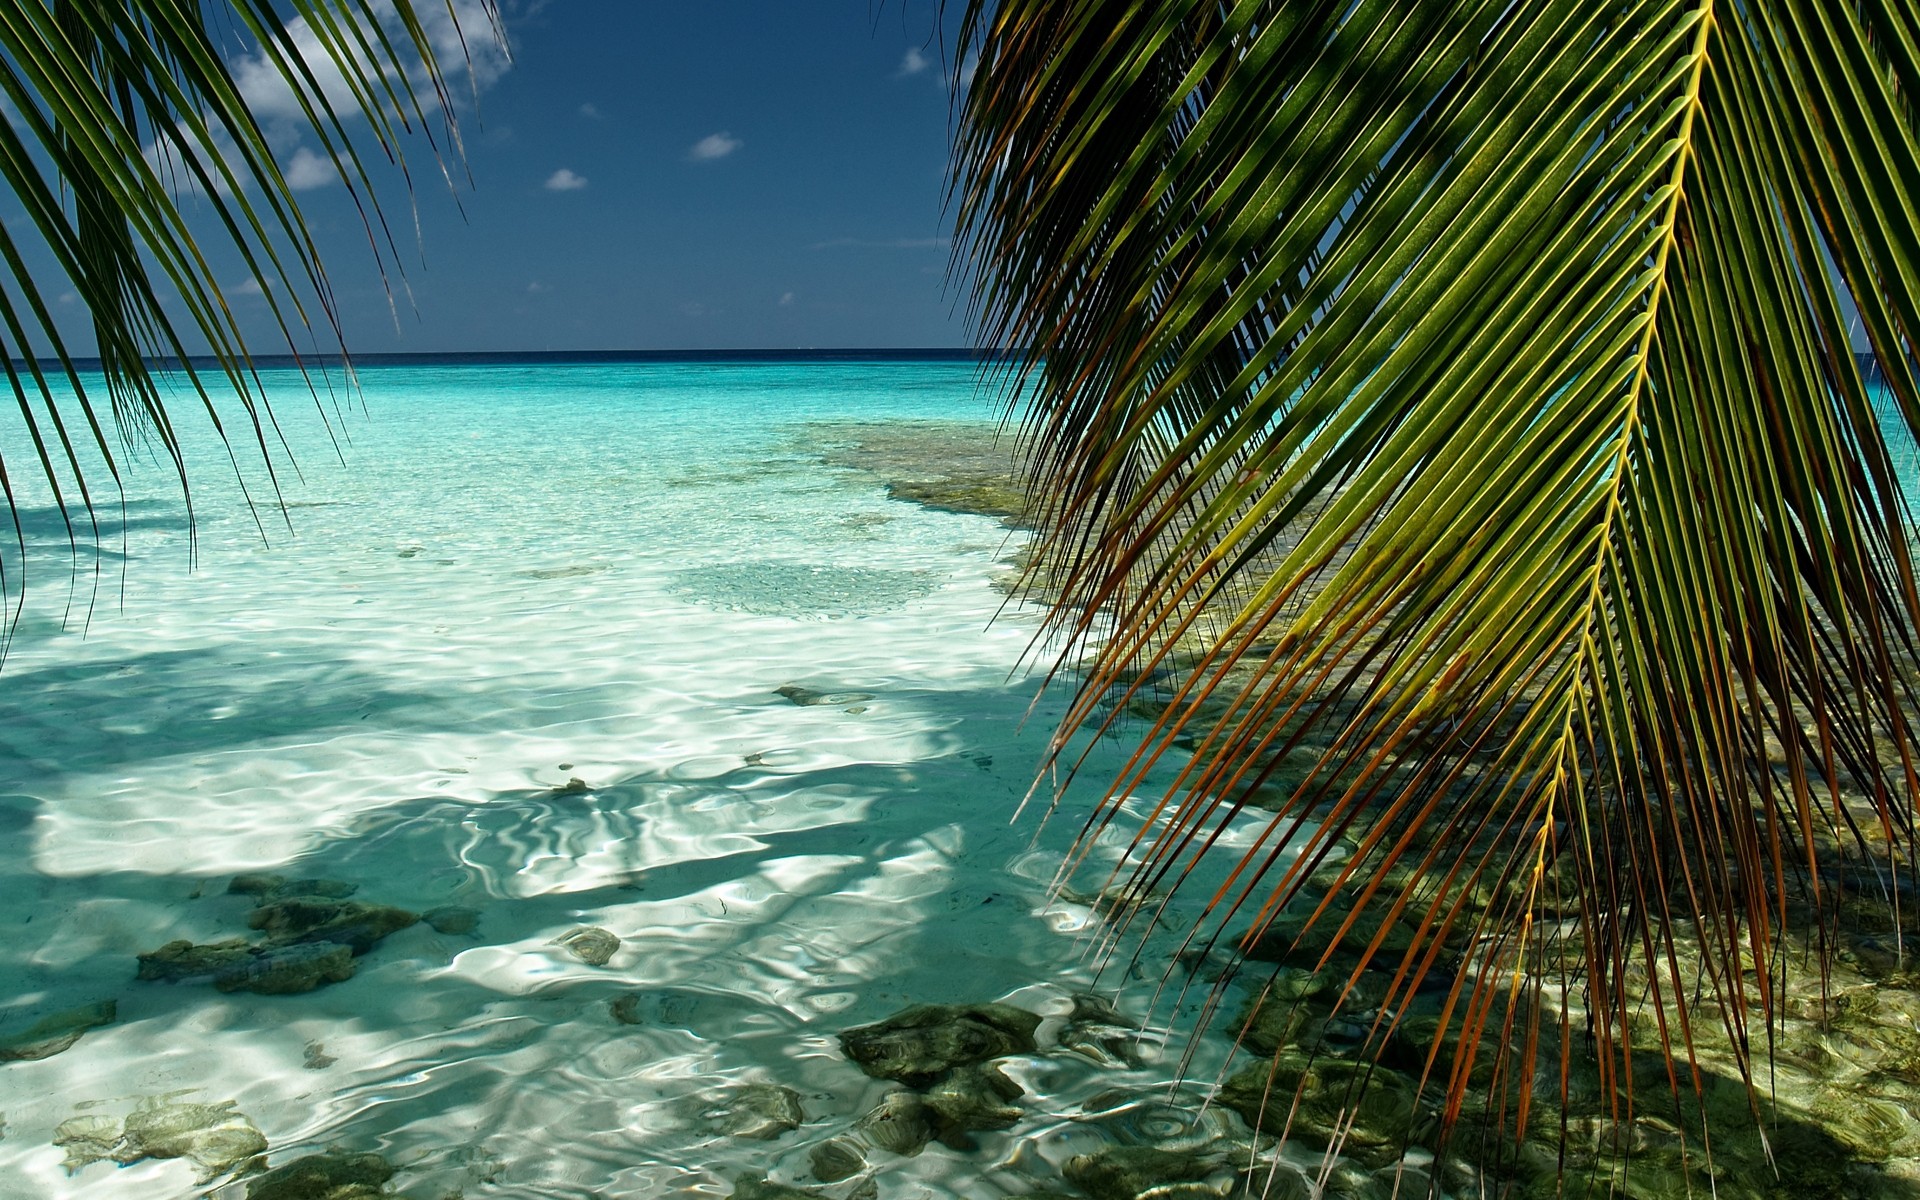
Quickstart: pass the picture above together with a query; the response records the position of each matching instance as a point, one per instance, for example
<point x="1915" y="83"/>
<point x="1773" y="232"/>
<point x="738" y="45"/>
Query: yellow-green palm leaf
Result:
<point x="1476" y="385"/>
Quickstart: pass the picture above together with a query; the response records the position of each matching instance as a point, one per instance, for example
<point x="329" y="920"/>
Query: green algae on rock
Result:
<point x="756" y="1187"/>
<point x="301" y="919"/>
<point x="920" y="1044"/>
<point x="334" y="1175"/>
<point x="238" y="965"/>
<point x="1130" y="1172"/>
<point x="313" y="933"/>
<point x="836" y="1159"/>
<point x="809" y="698"/>
<point x="759" y="1111"/>
<point x="452" y="919"/>
<point x="590" y="944"/>
<point x="975" y="1097"/>
<point x="215" y="1138"/>
<point x="901" y="1123"/>
<point x="53" y="1034"/>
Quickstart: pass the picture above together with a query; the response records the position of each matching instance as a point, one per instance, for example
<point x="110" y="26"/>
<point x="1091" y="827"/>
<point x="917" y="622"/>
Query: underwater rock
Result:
<point x="808" y="698"/>
<point x="314" y="1057"/>
<point x="756" y="1187"/>
<point x="89" y="1138"/>
<point x="287" y="970"/>
<point x="51" y="1035"/>
<point x="901" y="1123"/>
<point x="301" y="919"/>
<point x="1366" y="1106"/>
<point x="452" y="918"/>
<point x="1097" y="1031"/>
<point x="976" y="1097"/>
<point x="627" y="1008"/>
<point x="1127" y="1172"/>
<point x="330" y="1176"/>
<point x="182" y="960"/>
<point x="215" y="1138"/>
<point x="761" y="1111"/>
<point x="589" y="943"/>
<point x="1268" y="1026"/>
<point x="574" y="786"/>
<point x="1146" y="1117"/>
<point x="918" y="1045"/>
<point x="836" y="1159"/>
<point x="236" y="965"/>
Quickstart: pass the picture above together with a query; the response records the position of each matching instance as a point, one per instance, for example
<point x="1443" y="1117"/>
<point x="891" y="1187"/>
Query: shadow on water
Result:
<point x="106" y="525"/>
<point x="170" y="703"/>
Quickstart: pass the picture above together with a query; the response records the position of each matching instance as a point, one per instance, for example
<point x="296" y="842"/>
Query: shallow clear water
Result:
<point x="520" y="576"/>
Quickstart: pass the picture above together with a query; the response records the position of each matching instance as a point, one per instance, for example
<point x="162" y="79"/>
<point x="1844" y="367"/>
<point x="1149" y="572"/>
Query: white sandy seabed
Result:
<point x="519" y="578"/>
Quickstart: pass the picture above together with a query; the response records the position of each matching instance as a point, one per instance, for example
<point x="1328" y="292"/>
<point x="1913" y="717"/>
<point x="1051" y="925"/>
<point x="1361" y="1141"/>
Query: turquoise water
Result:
<point x="792" y="707"/>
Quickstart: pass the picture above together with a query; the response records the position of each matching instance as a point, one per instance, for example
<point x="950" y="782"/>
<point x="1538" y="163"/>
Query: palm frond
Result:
<point x="115" y="113"/>
<point x="1468" y="393"/>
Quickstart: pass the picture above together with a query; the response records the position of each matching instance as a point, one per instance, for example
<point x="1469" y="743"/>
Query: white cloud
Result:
<point x="469" y="47"/>
<point x="588" y="110"/>
<point x="307" y="170"/>
<point x="914" y="63"/>
<point x="786" y="299"/>
<point x="536" y="288"/>
<point x="714" y="145"/>
<point x="246" y="287"/>
<point x="565" y="180"/>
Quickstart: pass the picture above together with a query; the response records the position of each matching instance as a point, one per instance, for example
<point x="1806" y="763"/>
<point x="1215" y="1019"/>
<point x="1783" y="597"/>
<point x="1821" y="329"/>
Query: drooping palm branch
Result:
<point x="1468" y="392"/>
<point x="117" y="111"/>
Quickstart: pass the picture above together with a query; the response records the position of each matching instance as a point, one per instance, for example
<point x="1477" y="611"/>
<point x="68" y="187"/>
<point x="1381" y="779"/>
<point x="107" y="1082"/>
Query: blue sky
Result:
<point x="758" y="173"/>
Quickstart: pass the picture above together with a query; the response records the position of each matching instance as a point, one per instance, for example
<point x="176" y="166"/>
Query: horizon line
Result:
<point x="406" y="357"/>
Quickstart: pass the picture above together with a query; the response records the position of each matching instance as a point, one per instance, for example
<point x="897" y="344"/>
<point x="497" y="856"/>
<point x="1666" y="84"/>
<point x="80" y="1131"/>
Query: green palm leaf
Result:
<point x="114" y="112"/>
<point x="1468" y="391"/>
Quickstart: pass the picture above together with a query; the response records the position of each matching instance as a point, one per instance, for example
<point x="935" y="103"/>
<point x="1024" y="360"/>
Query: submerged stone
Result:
<point x="182" y="960"/>
<point x="836" y="1159"/>
<point x="920" y="1044"/>
<point x="215" y="1138"/>
<point x="590" y="944"/>
<point x="756" y="1187"/>
<point x="808" y="698"/>
<point x="1268" y="1026"/>
<point x="330" y="1176"/>
<point x="976" y="1097"/>
<point x="239" y="966"/>
<point x="301" y="919"/>
<point x="901" y="1123"/>
<point x="288" y="970"/>
<point x="1128" y="1172"/>
<point x="628" y="1008"/>
<point x="761" y="1111"/>
<point x="51" y="1035"/>
<point x="1364" y="1106"/>
<point x="88" y="1138"/>
<point x="452" y="918"/>
<point x="1097" y="1031"/>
